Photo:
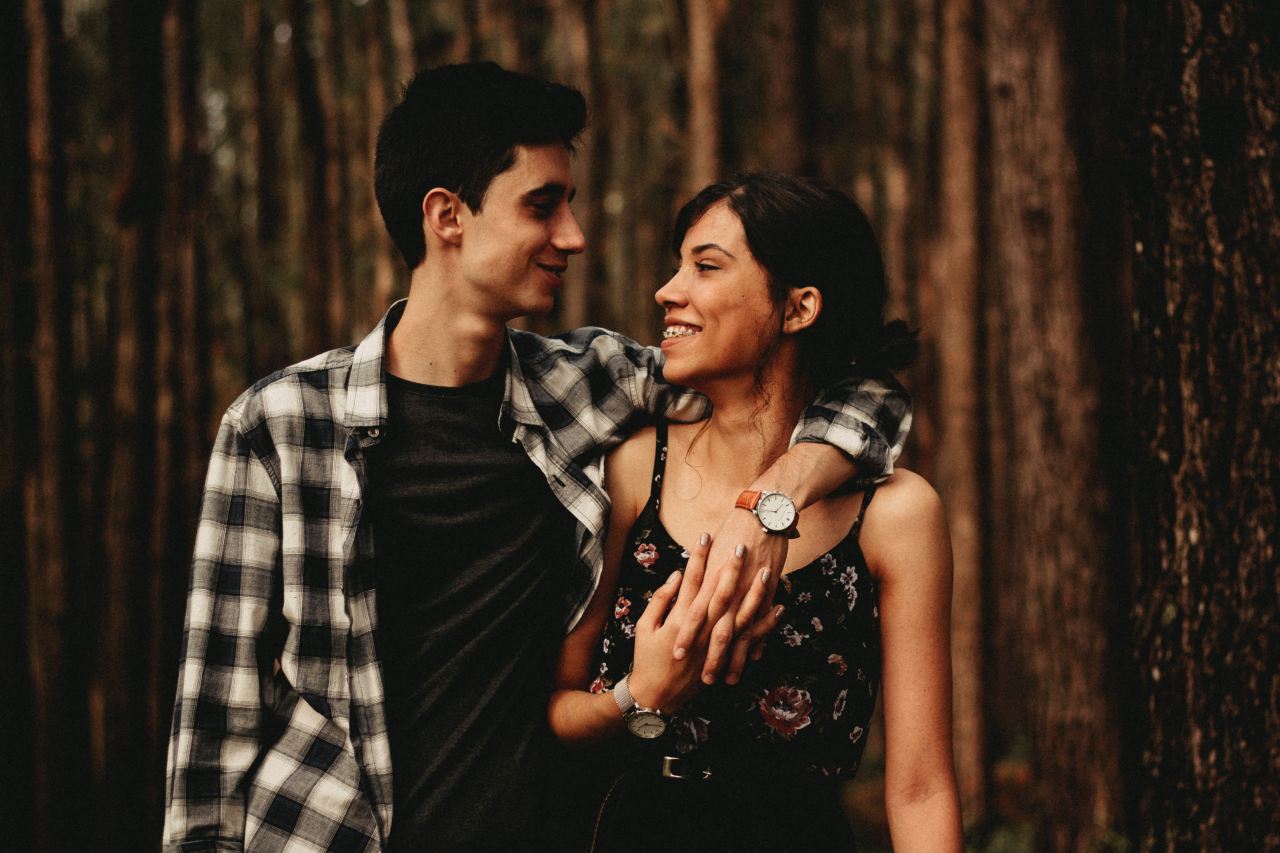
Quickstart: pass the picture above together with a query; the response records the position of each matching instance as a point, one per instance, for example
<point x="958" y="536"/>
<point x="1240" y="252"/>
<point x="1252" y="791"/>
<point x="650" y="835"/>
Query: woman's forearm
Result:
<point x="578" y="717"/>
<point x="928" y="823"/>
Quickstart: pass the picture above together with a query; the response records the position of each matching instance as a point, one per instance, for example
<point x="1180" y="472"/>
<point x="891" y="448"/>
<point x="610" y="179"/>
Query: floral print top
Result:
<point x="805" y="706"/>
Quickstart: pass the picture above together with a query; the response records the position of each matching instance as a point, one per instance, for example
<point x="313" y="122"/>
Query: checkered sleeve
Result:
<point x="867" y="417"/>
<point x="218" y="713"/>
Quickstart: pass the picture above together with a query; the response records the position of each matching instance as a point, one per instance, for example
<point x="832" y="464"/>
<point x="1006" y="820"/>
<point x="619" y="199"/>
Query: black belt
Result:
<point x="727" y="768"/>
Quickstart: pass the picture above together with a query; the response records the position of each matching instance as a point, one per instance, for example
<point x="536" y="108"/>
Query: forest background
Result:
<point x="1077" y="205"/>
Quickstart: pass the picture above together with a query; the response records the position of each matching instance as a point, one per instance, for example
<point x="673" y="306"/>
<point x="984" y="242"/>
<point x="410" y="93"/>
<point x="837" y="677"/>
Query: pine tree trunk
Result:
<point x="571" y="31"/>
<point x="136" y="446"/>
<point x="49" y="507"/>
<point x="1207" y="404"/>
<point x="702" y="22"/>
<point x="321" y="138"/>
<point x="17" y="807"/>
<point x="1055" y="520"/>
<point x="958" y="386"/>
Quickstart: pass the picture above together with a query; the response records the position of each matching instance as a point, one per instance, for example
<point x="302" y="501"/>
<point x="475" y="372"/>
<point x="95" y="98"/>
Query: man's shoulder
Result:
<point x="305" y="389"/>
<point x="578" y="347"/>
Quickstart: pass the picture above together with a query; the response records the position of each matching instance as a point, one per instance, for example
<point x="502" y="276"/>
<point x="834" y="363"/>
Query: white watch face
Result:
<point x="776" y="511"/>
<point x="646" y="724"/>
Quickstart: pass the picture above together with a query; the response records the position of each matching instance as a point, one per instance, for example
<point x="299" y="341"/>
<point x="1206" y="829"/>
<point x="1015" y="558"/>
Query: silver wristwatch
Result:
<point x="647" y="723"/>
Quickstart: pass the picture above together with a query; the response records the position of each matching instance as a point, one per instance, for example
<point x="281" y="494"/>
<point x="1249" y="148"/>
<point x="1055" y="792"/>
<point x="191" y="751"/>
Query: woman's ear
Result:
<point x="804" y="304"/>
<point x="441" y="217"/>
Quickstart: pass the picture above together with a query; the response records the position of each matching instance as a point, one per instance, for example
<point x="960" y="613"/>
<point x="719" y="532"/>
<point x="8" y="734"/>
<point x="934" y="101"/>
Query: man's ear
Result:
<point x="441" y="217"/>
<point x="804" y="304"/>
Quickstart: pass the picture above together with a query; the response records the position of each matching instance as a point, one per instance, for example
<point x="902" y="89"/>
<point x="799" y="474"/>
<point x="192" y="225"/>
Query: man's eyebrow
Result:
<point x="705" y="246"/>
<point x="549" y="190"/>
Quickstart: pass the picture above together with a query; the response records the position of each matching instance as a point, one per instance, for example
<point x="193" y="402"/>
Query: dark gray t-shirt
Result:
<point x="473" y="552"/>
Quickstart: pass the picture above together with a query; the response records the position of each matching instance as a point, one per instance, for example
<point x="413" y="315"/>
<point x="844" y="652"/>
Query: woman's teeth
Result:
<point x="678" y="332"/>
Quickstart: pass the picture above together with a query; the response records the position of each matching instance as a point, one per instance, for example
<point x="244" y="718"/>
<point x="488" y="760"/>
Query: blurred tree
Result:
<point x="1206" y="89"/>
<point x="1046" y="381"/>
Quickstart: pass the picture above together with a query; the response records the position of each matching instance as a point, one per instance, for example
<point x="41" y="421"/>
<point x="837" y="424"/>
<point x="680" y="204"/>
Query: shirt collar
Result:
<point x="366" y="386"/>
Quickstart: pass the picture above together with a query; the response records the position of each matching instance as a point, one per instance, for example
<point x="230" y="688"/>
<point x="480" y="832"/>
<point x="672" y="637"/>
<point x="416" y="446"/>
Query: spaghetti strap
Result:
<point x="867" y="495"/>
<point x="659" y="463"/>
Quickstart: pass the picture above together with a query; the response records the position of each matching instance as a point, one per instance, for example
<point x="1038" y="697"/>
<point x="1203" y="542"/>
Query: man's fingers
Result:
<point x="752" y="606"/>
<point x="717" y="652"/>
<point x="656" y="611"/>
<point x="738" y="659"/>
<point x="692" y="610"/>
<point x="726" y="592"/>
<point x="694" y="571"/>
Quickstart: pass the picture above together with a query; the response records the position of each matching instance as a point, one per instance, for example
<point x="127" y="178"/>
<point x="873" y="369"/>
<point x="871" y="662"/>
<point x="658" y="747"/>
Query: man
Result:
<point x="437" y="489"/>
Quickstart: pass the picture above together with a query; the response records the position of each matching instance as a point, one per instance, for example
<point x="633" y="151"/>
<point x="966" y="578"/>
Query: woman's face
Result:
<point x="719" y="319"/>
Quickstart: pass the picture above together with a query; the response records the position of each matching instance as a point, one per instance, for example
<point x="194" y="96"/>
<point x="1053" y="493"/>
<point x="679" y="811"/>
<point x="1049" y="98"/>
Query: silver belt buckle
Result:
<point x="671" y="769"/>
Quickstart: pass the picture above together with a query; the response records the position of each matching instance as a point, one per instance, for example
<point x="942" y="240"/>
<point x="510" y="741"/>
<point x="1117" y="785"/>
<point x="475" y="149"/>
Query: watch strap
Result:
<point x="748" y="499"/>
<point x="622" y="695"/>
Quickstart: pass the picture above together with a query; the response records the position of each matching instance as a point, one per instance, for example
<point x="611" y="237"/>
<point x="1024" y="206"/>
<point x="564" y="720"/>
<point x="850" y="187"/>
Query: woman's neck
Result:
<point x="750" y="424"/>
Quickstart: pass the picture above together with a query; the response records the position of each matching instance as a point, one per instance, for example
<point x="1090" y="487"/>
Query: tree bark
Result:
<point x="322" y="140"/>
<point x="401" y="41"/>
<point x="49" y="507"/>
<point x="17" y="400"/>
<point x="1207" y="398"/>
<point x="959" y="385"/>
<point x="571" y="30"/>
<point x="702" y="23"/>
<point x="116" y="693"/>
<point x="1055" y="511"/>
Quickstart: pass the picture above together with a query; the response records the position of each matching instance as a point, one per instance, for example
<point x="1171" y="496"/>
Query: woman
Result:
<point x="779" y="286"/>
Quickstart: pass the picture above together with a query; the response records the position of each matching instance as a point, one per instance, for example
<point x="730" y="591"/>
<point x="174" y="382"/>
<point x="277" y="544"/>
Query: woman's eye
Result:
<point x="703" y="266"/>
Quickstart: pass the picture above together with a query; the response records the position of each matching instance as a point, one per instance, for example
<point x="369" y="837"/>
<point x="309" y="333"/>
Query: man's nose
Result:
<point x="569" y="237"/>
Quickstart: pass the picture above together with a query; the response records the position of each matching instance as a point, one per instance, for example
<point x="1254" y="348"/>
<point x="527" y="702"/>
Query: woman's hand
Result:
<point x="660" y="681"/>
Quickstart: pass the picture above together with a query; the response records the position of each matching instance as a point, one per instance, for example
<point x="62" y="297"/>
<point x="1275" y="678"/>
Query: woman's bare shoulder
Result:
<point x="906" y="513"/>
<point x="628" y="467"/>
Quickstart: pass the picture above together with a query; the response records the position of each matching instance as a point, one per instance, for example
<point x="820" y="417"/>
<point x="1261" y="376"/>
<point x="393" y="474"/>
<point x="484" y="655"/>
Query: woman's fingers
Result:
<point x="656" y="611"/>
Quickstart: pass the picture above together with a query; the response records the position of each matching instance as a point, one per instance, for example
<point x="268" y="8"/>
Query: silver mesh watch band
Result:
<point x="622" y="694"/>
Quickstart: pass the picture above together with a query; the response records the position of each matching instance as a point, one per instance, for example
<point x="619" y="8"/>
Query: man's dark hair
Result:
<point x="457" y="127"/>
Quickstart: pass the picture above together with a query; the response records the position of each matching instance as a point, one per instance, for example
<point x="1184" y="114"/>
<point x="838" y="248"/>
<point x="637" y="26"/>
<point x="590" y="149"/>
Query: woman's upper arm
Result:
<point x="626" y="478"/>
<point x="909" y="550"/>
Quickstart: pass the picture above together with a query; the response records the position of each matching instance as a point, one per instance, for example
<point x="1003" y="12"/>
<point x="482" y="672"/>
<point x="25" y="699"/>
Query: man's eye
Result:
<point x="545" y="210"/>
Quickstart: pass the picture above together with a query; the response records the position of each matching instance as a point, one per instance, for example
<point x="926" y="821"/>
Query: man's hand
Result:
<point x="740" y="553"/>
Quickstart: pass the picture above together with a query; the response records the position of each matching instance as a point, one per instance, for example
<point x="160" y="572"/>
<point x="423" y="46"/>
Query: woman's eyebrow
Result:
<point x="706" y="246"/>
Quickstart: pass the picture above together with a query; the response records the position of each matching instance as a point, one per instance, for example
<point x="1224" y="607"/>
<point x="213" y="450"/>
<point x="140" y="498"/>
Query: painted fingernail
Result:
<point x="707" y="678"/>
<point x="777" y="611"/>
<point x="740" y="551"/>
<point x="673" y="577"/>
<point x="731" y="678"/>
<point x="704" y="539"/>
<point x="764" y="576"/>
<point x="677" y="653"/>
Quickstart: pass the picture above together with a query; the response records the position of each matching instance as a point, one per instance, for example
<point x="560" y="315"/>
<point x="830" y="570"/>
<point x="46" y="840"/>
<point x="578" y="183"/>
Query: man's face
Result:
<point x="516" y="249"/>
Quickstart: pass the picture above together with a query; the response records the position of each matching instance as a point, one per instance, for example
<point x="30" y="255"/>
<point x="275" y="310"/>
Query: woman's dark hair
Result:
<point x="808" y="234"/>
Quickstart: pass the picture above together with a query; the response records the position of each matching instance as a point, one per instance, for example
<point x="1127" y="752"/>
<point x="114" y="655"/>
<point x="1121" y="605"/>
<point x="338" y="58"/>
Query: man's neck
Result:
<point x="439" y="342"/>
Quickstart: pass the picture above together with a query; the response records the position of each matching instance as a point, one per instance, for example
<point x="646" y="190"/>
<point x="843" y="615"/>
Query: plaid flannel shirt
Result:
<point x="279" y="739"/>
